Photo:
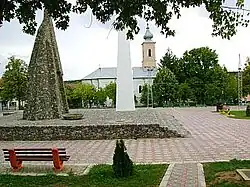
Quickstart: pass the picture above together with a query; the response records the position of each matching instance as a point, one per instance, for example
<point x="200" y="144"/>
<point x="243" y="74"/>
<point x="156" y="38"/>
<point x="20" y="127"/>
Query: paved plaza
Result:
<point x="214" y="137"/>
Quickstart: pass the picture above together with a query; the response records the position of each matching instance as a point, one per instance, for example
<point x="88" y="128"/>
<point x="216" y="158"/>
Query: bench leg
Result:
<point x="58" y="164"/>
<point x="16" y="165"/>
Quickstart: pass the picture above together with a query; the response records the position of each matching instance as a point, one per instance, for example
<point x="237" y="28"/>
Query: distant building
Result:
<point x="141" y="75"/>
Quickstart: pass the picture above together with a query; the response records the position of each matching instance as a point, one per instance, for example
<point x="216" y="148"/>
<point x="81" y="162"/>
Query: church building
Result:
<point x="141" y="75"/>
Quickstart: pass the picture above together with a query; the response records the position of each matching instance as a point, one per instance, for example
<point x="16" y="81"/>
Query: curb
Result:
<point x="201" y="176"/>
<point x="167" y="175"/>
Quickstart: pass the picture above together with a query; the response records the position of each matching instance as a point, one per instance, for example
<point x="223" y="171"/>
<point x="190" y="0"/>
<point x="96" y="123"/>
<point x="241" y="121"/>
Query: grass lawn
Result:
<point x="99" y="176"/>
<point x="223" y="174"/>
<point x="240" y="114"/>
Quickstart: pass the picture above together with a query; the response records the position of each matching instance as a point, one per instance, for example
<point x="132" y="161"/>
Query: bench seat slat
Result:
<point x="23" y="155"/>
<point x="39" y="158"/>
<point x="34" y="152"/>
<point x="35" y="149"/>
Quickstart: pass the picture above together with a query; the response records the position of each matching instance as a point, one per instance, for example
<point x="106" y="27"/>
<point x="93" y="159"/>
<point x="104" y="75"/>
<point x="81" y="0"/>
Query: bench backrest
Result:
<point x="34" y="152"/>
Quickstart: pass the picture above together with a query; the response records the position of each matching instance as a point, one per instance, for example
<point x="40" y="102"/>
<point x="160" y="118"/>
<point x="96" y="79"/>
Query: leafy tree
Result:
<point x="73" y="101"/>
<point x="85" y="92"/>
<point x="14" y="80"/>
<point x="100" y="97"/>
<point x="225" y="19"/>
<point x="200" y="66"/>
<point x="146" y="94"/>
<point x="246" y="78"/>
<point x="1" y="83"/>
<point x="110" y="91"/>
<point x="231" y="93"/>
<point x="185" y="92"/>
<point x="174" y="64"/>
<point x="165" y="87"/>
<point x="216" y="89"/>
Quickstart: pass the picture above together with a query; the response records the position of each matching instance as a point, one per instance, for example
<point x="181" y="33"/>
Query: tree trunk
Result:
<point x="19" y="104"/>
<point x="248" y="110"/>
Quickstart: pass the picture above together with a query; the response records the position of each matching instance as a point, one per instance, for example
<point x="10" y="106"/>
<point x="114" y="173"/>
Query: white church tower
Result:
<point x="148" y="50"/>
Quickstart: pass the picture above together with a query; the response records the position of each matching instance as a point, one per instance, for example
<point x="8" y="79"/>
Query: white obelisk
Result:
<point x="124" y="81"/>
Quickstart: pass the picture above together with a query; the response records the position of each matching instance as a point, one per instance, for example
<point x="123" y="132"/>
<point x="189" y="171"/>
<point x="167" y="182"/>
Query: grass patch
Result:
<point x="99" y="176"/>
<point x="223" y="174"/>
<point x="240" y="114"/>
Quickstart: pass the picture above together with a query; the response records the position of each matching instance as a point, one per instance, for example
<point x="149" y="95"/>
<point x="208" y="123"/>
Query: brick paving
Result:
<point x="214" y="137"/>
<point x="184" y="175"/>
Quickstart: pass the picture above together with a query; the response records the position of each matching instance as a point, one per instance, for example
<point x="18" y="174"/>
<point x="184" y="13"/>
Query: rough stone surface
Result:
<point x="96" y="124"/>
<point x="46" y="97"/>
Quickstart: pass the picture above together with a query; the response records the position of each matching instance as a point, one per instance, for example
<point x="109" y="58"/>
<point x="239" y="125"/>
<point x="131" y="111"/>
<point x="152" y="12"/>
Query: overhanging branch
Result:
<point x="235" y="8"/>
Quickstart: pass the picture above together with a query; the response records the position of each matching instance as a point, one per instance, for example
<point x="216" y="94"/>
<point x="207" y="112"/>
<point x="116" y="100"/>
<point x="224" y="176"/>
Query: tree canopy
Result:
<point x="246" y="78"/>
<point x="165" y="87"/>
<point x="14" y="80"/>
<point x="199" y="76"/>
<point x="85" y="92"/>
<point x="225" y="19"/>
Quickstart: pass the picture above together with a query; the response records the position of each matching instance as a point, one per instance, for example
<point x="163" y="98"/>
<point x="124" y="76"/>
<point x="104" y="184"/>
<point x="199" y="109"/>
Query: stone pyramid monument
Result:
<point x="46" y="98"/>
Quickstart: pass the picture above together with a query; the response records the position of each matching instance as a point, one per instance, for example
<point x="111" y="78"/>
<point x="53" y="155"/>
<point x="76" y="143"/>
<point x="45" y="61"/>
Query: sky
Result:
<point x="82" y="50"/>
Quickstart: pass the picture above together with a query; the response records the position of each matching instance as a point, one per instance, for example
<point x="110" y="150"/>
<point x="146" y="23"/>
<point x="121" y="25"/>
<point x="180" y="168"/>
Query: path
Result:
<point x="184" y="175"/>
<point x="214" y="137"/>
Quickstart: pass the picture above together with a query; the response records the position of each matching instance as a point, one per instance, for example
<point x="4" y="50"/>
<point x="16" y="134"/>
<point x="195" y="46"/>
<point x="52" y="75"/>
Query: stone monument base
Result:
<point x="96" y="124"/>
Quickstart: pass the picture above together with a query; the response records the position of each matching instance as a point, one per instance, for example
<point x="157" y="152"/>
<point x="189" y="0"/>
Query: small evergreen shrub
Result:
<point x="122" y="164"/>
<point x="248" y="110"/>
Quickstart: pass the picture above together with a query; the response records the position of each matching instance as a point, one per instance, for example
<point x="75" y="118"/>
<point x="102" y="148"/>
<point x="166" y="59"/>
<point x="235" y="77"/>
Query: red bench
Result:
<point x="17" y="156"/>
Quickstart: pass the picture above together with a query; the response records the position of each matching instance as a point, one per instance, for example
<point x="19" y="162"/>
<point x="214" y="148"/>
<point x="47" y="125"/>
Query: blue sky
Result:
<point x="82" y="50"/>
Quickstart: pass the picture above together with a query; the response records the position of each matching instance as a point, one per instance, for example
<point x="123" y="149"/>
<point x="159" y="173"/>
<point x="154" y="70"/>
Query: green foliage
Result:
<point x="231" y="93"/>
<point x="14" y="80"/>
<point x="248" y="110"/>
<point x="207" y="79"/>
<point x="100" y="97"/>
<point x="146" y="94"/>
<point x="85" y="92"/>
<point x="174" y="64"/>
<point x="185" y="92"/>
<point x="72" y="101"/>
<point x="84" y="95"/>
<point x="246" y="78"/>
<point x="225" y="20"/>
<point x="165" y="87"/>
<point x="122" y="164"/>
<point x="201" y="79"/>
<point x="110" y="91"/>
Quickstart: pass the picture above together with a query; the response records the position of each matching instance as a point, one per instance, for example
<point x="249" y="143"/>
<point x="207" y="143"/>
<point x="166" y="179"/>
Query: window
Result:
<point x="149" y="53"/>
<point x="139" y="88"/>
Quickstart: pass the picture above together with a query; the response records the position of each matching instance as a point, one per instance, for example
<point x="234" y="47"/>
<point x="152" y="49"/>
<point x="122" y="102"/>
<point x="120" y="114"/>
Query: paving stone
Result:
<point x="214" y="137"/>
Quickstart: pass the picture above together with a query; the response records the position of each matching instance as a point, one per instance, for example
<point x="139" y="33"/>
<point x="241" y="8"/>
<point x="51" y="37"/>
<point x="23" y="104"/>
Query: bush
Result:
<point x="122" y="164"/>
<point x="248" y="110"/>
